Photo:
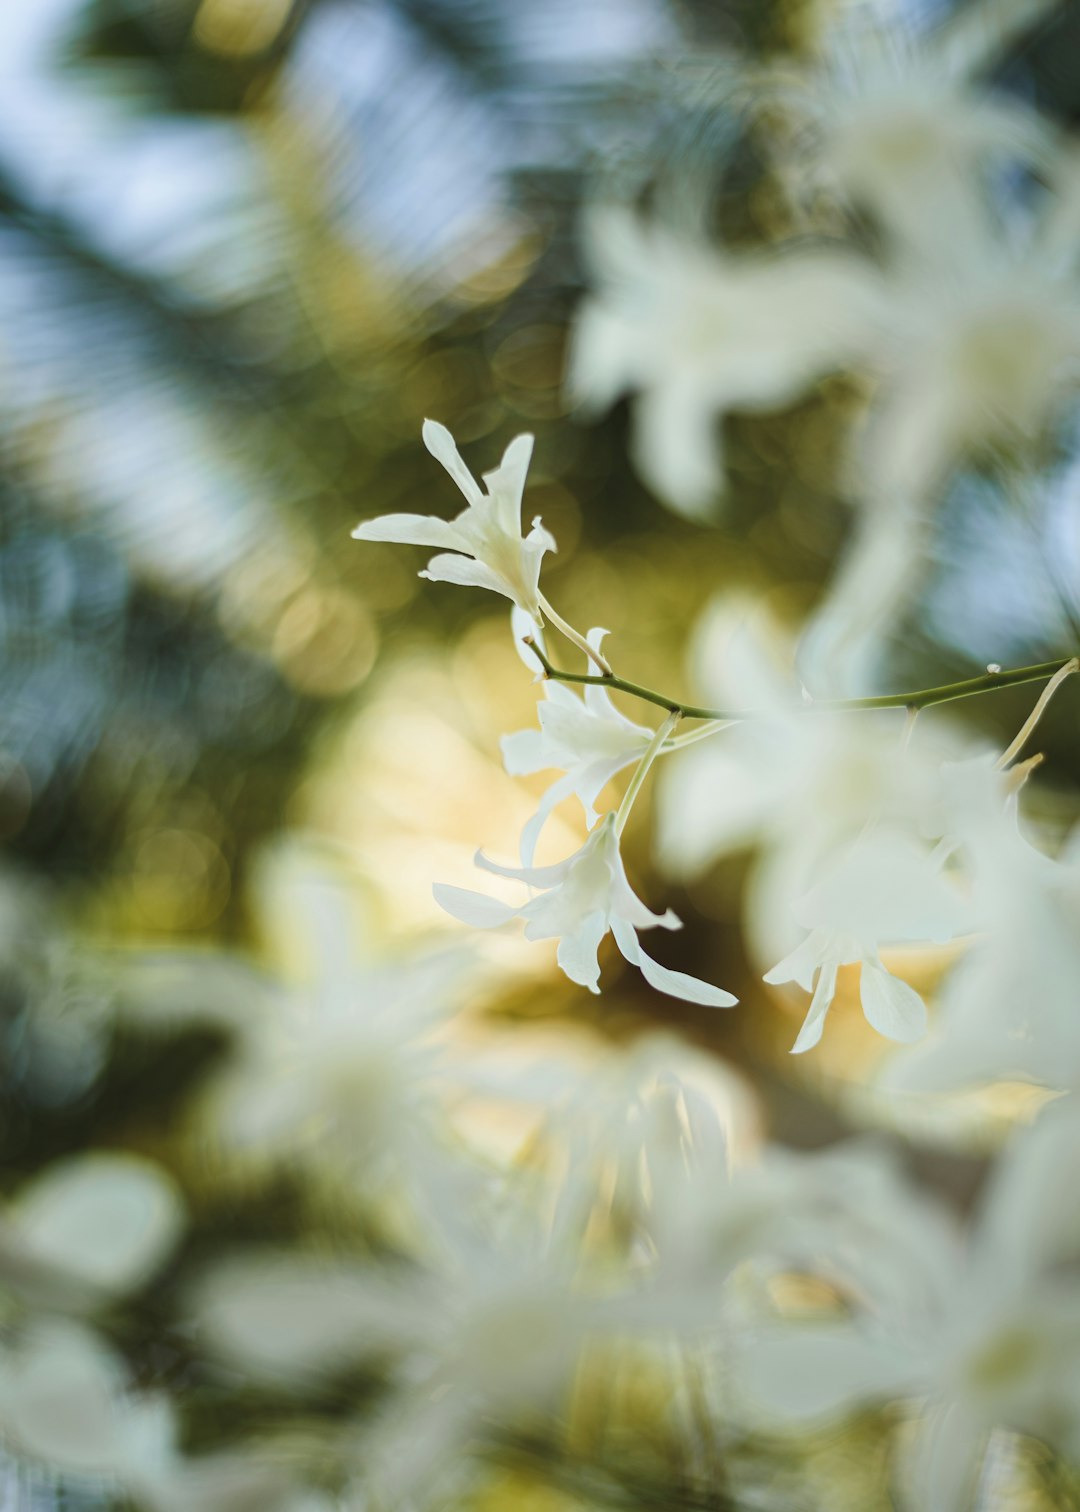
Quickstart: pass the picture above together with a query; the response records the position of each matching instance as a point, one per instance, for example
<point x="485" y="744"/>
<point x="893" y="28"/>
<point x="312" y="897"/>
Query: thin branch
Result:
<point x="923" y="698"/>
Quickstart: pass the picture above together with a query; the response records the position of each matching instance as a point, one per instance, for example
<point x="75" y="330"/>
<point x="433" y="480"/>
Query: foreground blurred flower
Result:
<point x="89" y="1228"/>
<point x="487" y="533"/>
<point x="699" y="333"/>
<point x="581" y="900"/>
<point x="995" y="1344"/>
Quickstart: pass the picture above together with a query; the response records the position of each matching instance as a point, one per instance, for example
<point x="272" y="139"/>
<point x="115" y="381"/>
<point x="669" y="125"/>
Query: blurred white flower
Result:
<point x="696" y="332"/>
<point x="892" y="121"/>
<point x="795" y="784"/>
<point x="882" y="891"/>
<point x="487" y="534"/>
<point x="1007" y="1010"/>
<point x="343" y="1064"/>
<point x="996" y="1345"/>
<point x="579" y="901"/>
<point x="89" y="1228"/>
<point x="586" y="737"/>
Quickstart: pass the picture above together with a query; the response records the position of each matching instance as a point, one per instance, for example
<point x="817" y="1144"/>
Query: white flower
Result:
<point x="698" y="333"/>
<point x="487" y="534"/>
<point x="340" y="1066"/>
<point x="580" y="900"/>
<point x="1008" y="1009"/>
<point x="795" y="784"/>
<point x="891" y="121"/>
<point x="882" y="891"/>
<point x="994" y="1345"/>
<point x="587" y="738"/>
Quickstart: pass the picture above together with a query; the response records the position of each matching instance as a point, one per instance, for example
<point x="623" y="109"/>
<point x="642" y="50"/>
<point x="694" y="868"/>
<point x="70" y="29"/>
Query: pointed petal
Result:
<point x="550" y="800"/>
<point x="440" y="443"/>
<point x="892" y="1007"/>
<point x="410" y="530"/>
<point x="535" y="876"/>
<point x="473" y="908"/>
<point x="466" y="573"/>
<point x="577" y="953"/>
<point x="820" y="1003"/>
<point x="675" y="983"/>
<point x="506" y="483"/>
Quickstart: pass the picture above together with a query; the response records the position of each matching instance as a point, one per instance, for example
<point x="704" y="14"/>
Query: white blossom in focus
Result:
<point x="483" y="546"/>
<point x="578" y="902"/>
<point x="587" y="738"/>
<point x="695" y="333"/>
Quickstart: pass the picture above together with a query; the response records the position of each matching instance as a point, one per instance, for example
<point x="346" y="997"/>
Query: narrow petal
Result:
<point x="892" y="1007"/>
<point x="473" y="908"/>
<point x="410" y="530"/>
<point x="577" y="953"/>
<point x="440" y="443"/>
<point x="466" y="573"/>
<point x="820" y="1003"/>
<point x="675" y="983"/>
<point x="551" y="799"/>
<point x="535" y="876"/>
<point x="506" y="483"/>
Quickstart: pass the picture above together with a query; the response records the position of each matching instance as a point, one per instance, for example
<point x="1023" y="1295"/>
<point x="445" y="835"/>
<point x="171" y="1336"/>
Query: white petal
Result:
<point x="524" y="752"/>
<point x="466" y="573"/>
<point x="675" y="983"/>
<point x="892" y="1007"/>
<point x="440" y="443"/>
<point x="410" y="530"/>
<point x="535" y="876"/>
<point x="947" y="1459"/>
<point x="820" y="1373"/>
<point x="820" y="1003"/>
<point x="577" y="952"/>
<point x="531" y="832"/>
<point x="801" y="964"/>
<point x="506" y="484"/>
<point x="473" y="908"/>
<point x="107" y="1219"/>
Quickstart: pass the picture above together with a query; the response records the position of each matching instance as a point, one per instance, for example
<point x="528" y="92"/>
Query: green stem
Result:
<point x="652" y="751"/>
<point x="923" y="698"/>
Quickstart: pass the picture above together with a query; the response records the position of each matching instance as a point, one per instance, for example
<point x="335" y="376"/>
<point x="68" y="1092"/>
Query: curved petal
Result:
<point x="472" y="908"/>
<point x="800" y="964"/>
<point x="675" y="983"/>
<point x="467" y="573"/>
<point x="577" y="953"/>
<point x="506" y="483"/>
<point x="550" y="800"/>
<point x="892" y="1007"/>
<point x="535" y="876"/>
<point x="440" y="443"/>
<point x="820" y="1003"/>
<point x="410" y="530"/>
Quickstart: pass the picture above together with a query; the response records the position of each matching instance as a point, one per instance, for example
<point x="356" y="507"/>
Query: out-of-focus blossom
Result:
<point x="483" y="546"/>
<point x="1007" y="1010"/>
<point x="578" y="902"/>
<point x="995" y="1347"/>
<point x="586" y="737"/>
<point x="795" y="784"/>
<point x="696" y="333"/>
<point x="89" y="1228"/>
<point x="343" y="1065"/>
<point x="893" y="122"/>
<point x="881" y="892"/>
